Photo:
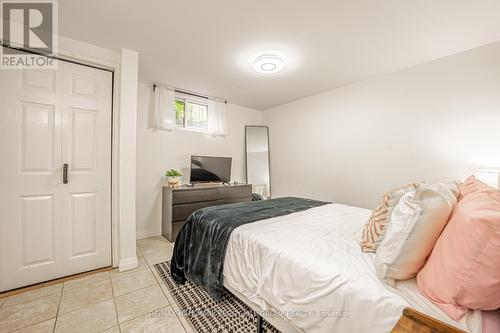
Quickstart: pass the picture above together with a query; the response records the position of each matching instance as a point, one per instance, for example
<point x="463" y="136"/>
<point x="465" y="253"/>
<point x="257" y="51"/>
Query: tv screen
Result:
<point x="210" y="169"/>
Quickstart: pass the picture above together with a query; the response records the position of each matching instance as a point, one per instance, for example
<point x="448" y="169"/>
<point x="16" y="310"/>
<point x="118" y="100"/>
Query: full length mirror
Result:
<point x="257" y="156"/>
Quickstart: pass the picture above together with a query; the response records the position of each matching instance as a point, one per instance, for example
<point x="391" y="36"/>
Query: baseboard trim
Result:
<point x="127" y="264"/>
<point x="140" y="234"/>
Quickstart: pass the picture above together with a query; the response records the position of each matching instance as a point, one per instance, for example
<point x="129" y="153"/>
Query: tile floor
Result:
<point x="102" y="302"/>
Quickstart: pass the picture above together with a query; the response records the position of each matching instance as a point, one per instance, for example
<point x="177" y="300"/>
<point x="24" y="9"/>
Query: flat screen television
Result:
<point x="205" y="169"/>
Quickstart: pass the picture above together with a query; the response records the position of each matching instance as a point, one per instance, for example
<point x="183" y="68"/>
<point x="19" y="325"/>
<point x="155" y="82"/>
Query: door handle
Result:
<point x="65" y="173"/>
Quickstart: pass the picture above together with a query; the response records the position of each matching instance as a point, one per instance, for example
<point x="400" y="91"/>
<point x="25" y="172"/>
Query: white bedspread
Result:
<point x="309" y="266"/>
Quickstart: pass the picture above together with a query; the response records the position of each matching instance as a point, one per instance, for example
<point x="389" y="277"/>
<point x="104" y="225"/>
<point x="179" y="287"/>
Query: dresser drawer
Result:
<point x="231" y="201"/>
<point x="179" y="203"/>
<point x="182" y="212"/>
<point x="176" y="228"/>
<point x="231" y="192"/>
<point x="190" y="196"/>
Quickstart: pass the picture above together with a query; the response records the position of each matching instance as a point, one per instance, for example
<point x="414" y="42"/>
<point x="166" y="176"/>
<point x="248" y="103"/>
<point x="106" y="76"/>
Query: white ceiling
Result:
<point x="205" y="46"/>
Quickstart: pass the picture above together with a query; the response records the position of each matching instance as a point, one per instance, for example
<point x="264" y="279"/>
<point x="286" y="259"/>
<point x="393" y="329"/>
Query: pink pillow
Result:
<point x="463" y="270"/>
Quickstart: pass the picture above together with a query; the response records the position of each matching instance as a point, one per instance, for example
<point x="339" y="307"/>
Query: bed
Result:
<point x="305" y="272"/>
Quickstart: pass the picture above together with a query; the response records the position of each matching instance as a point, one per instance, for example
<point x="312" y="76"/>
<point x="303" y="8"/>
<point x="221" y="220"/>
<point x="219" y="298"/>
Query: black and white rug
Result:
<point x="206" y="315"/>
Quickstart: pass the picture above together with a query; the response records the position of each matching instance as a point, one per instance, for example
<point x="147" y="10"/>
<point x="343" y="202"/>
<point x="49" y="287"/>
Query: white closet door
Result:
<point x="30" y="195"/>
<point x="86" y="148"/>
<point x="48" y="118"/>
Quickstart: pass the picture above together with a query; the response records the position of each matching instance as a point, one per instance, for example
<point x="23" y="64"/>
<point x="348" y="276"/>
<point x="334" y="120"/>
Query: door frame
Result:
<point x="115" y="69"/>
<point x="102" y="59"/>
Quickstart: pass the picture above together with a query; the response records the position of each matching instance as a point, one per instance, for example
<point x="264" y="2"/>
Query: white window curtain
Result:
<point x="164" y="112"/>
<point x="216" y="118"/>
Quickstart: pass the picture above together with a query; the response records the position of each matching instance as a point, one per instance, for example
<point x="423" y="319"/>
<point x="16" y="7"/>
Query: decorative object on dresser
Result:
<point x="180" y="202"/>
<point x="173" y="177"/>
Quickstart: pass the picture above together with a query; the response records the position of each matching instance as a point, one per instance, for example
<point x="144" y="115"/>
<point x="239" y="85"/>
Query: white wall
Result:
<point x="436" y="121"/>
<point x="158" y="151"/>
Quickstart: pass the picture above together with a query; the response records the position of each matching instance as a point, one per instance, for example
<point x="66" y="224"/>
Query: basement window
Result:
<point x="191" y="114"/>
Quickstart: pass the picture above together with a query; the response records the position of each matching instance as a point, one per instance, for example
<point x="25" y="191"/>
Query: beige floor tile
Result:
<point x="151" y="244"/>
<point x="142" y="265"/>
<point x="28" y="313"/>
<point x="135" y="280"/>
<point x="140" y="302"/>
<point x="164" y="321"/>
<point x="157" y="258"/>
<point x="141" y="243"/>
<point x="158" y="253"/>
<point x="86" y="304"/>
<point x="86" y="280"/>
<point x="93" y="318"/>
<point x="115" y="329"/>
<point x="171" y="300"/>
<point x="142" y="261"/>
<point x="93" y="293"/>
<point x="158" y="248"/>
<point x="43" y="327"/>
<point x="33" y="294"/>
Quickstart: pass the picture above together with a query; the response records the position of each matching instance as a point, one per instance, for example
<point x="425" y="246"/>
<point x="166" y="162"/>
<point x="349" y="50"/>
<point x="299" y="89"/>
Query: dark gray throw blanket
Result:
<point x="200" y="247"/>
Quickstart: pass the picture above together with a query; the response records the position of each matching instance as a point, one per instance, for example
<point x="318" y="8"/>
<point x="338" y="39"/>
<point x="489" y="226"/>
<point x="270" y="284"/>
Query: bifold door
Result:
<point x="55" y="173"/>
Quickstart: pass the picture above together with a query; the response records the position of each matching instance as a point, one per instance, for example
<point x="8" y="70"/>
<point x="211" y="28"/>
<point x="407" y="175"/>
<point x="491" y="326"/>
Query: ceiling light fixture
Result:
<point x="268" y="64"/>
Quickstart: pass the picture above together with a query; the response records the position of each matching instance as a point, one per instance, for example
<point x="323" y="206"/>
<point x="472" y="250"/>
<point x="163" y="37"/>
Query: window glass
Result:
<point x="196" y="115"/>
<point x="179" y="112"/>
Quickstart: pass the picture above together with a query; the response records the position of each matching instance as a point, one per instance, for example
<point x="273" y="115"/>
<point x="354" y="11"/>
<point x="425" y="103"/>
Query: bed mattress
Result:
<point x="308" y="268"/>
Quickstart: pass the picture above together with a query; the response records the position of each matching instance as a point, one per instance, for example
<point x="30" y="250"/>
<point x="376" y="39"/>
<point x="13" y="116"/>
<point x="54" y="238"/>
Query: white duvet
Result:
<point x="309" y="267"/>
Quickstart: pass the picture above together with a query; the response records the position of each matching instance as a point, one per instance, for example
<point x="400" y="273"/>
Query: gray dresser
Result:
<point x="178" y="203"/>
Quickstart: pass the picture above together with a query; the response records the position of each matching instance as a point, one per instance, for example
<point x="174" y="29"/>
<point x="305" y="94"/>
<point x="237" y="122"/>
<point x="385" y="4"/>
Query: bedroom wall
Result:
<point x="158" y="151"/>
<point x="435" y="121"/>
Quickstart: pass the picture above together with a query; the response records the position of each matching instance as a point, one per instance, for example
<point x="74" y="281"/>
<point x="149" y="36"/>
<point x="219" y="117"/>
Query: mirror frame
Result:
<point x="268" y="155"/>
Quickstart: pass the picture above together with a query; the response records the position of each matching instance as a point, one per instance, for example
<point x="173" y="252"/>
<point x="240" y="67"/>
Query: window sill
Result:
<point x="191" y="129"/>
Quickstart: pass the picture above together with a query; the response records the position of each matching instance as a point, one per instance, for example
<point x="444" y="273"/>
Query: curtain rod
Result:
<point x="187" y="93"/>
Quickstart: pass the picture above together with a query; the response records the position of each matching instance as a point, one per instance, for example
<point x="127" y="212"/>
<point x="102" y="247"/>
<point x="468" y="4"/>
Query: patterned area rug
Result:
<point x="206" y="315"/>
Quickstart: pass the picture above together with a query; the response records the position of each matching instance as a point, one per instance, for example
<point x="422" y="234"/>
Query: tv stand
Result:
<point x="180" y="202"/>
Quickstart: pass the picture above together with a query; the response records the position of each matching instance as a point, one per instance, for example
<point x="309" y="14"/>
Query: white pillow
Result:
<point x="416" y="223"/>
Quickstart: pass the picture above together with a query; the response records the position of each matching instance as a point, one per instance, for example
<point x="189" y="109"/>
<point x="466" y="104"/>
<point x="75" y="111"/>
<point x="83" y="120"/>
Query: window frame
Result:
<point x="184" y="117"/>
<point x="198" y="101"/>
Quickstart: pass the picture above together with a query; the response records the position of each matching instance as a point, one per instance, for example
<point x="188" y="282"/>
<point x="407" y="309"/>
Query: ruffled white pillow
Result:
<point x="416" y="223"/>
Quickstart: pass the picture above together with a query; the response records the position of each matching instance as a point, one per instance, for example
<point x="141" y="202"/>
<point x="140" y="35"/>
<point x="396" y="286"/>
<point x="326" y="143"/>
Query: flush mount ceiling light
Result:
<point x="268" y="64"/>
